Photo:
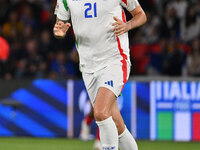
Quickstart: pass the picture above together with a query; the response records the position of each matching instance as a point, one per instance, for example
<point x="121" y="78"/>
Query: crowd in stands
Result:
<point x="168" y="44"/>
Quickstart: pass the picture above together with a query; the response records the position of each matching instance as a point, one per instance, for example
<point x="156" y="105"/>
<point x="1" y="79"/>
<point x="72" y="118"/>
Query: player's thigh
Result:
<point x="103" y="103"/>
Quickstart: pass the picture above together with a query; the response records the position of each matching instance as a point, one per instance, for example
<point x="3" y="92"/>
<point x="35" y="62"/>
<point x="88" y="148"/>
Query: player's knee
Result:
<point x="101" y="115"/>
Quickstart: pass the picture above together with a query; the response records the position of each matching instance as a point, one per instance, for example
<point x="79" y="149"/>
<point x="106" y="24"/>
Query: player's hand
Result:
<point x="120" y="27"/>
<point x="60" y="29"/>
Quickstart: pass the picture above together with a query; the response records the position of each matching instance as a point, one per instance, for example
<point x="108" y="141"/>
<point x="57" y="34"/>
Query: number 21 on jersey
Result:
<point x="90" y="7"/>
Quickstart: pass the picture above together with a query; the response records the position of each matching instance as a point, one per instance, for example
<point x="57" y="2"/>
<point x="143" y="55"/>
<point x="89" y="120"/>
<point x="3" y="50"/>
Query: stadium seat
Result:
<point x="138" y="51"/>
<point x="155" y="48"/>
<point x="140" y="57"/>
<point x="4" y="49"/>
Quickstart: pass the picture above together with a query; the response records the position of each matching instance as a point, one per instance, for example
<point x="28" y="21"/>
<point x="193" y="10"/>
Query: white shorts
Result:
<point x="112" y="77"/>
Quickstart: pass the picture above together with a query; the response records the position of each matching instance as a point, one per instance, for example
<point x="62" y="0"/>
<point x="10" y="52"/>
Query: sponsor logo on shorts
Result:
<point x="109" y="83"/>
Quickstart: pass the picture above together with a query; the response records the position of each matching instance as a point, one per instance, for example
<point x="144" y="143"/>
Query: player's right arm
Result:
<point x="63" y="15"/>
<point x="60" y="28"/>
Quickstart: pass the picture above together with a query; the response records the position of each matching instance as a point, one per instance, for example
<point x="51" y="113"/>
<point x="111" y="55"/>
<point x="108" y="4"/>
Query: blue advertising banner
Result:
<point x="143" y="110"/>
<point x="175" y="110"/>
<point x="157" y="110"/>
<point x="41" y="112"/>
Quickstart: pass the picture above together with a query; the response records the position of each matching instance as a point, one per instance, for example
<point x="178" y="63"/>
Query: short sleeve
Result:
<point x="130" y="4"/>
<point x="62" y="11"/>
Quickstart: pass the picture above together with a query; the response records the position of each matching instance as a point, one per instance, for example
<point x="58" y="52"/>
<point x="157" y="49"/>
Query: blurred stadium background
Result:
<point x="42" y="95"/>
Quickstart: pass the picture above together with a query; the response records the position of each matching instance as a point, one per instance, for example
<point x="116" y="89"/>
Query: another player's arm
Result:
<point x="60" y="28"/>
<point x="139" y="18"/>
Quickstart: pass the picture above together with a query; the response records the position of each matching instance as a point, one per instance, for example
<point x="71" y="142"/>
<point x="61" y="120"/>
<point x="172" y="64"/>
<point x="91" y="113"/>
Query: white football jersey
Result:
<point x="92" y="22"/>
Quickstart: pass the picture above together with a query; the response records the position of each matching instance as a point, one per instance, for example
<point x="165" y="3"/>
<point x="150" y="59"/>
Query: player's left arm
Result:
<point x="139" y="18"/>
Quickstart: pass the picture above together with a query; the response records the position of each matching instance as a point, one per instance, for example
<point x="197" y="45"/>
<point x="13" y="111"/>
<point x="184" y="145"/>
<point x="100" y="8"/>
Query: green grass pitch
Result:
<point x="75" y="144"/>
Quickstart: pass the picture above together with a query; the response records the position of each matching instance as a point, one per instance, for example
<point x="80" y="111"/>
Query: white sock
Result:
<point x="126" y="141"/>
<point x="108" y="134"/>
